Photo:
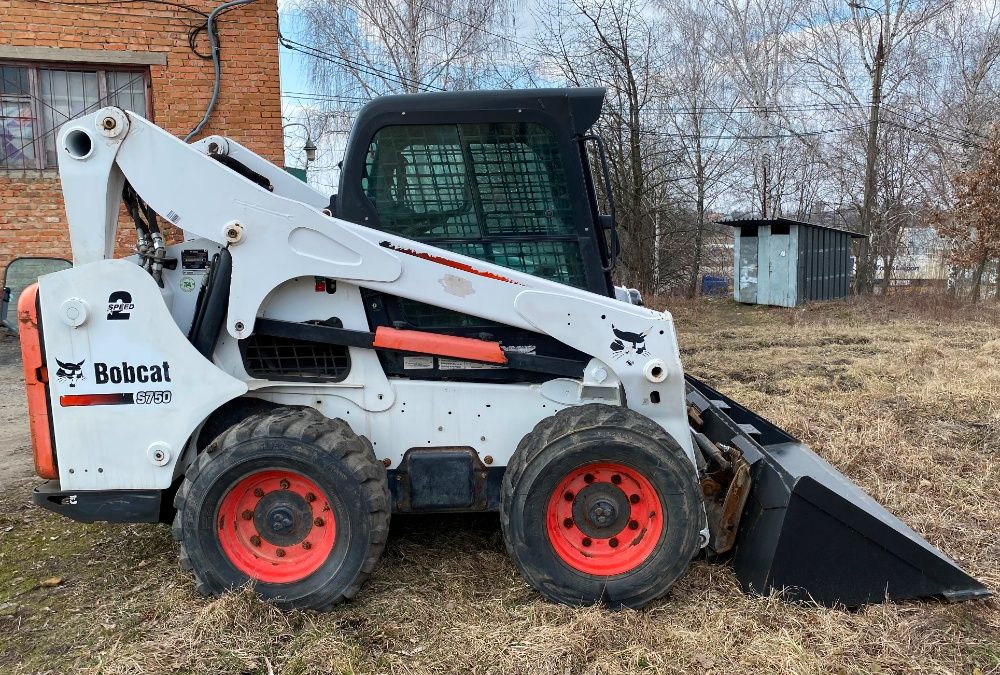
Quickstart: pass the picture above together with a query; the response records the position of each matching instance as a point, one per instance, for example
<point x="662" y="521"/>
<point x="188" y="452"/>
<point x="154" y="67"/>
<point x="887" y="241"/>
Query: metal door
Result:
<point x="748" y="270"/>
<point x="779" y="287"/>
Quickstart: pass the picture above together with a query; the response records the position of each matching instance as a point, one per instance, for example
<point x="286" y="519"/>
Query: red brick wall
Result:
<point x="32" y="218"/>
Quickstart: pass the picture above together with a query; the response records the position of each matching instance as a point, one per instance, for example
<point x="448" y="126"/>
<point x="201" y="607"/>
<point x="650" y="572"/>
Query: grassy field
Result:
<point x="903" y="398"/>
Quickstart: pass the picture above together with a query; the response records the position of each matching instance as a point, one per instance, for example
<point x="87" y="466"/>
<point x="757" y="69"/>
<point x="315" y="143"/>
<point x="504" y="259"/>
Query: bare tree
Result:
<point x="622" y="55"/>
<point x="758" y="43"/>
<point x="962" y="98"/>
<point x="364" y="48"/>
<point x="862" y="58"/>
<point x="700" y="101"/>
<point x="972" y="224"/>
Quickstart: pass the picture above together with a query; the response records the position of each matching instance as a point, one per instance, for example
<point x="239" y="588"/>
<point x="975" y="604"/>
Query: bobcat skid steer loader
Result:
<point x="442" y="335"/>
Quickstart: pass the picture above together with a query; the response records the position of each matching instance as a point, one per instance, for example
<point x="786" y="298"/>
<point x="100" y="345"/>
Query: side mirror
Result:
<point x="21" y="273"/>
<point x="4" y="305"/>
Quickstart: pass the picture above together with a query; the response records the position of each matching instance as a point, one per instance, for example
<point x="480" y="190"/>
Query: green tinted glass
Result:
<point x="496" y="192"/>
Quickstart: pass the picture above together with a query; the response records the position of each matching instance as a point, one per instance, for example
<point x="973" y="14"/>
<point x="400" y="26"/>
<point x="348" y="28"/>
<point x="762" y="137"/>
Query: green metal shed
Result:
<point x="783" y="262"/>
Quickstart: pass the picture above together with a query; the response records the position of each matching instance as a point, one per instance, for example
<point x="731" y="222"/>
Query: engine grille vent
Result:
<point x="280" y="358"/>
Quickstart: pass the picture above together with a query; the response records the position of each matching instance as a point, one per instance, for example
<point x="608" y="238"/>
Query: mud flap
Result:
<point x="811" y="534"/>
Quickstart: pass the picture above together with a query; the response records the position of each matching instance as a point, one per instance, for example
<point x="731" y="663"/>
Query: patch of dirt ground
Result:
<point x="902" y="398"/>
<point x="15" y="441"/>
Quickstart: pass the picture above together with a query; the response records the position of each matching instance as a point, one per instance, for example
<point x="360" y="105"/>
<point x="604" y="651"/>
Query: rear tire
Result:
<point x="290" y="500"/>
<point x="600" y="504"/>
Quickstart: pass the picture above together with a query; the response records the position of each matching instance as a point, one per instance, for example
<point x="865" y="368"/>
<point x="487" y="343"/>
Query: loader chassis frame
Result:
<point x="280" y="246"/>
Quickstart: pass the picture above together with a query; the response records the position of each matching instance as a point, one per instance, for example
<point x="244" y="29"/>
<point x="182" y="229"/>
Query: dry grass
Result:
<point x="903" y="399"/>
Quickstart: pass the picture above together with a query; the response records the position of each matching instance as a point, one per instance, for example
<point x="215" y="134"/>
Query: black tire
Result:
<point x="300" y="442"/>
<point x="582" y="436"/>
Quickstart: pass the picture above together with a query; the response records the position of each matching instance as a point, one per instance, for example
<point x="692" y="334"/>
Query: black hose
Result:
<point x="213" y="40"/>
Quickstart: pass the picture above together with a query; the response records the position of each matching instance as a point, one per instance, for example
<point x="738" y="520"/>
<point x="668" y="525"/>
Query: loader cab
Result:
<point x="502" y="176"/>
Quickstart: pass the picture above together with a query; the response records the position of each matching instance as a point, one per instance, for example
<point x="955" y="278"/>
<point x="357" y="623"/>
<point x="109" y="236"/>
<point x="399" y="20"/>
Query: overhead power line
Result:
<point x="343" y="61"/>
<point x="753" y="137"/>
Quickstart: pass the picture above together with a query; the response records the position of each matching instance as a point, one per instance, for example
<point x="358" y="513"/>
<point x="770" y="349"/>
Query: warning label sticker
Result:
<point x="418" y="362"/>
<point x="456" y="364"/>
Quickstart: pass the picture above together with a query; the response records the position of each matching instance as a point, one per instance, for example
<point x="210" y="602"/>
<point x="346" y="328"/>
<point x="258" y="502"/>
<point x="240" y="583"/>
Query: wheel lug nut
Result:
<point x="318" y="522"/>
<point x="634" y="499"/>
<point x="633" y="524"/>
<point x="589" y="478"/>
<point x="247" y="515"/>
<point x="284" y="484"/>
<point x="613" y="543"/>
<point x="587" y="541"/>
<point x="306" y="545"/>
<point x="255" y="540"/>
<point x="258" y="493"/>
<point x="568" y="522"/>
<point x="616" y="479"/>
<point x="310" y="497"/>
<point x="280" y="553"/>
<point x="568" y="496"/>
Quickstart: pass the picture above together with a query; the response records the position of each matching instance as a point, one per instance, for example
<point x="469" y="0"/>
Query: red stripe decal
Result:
<point x="454" y="264"/>
<point x="72" y="400"/>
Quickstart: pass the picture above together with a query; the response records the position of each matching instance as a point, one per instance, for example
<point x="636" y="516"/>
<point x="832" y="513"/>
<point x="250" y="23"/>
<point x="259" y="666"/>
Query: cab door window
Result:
<point x="496" y="192"/>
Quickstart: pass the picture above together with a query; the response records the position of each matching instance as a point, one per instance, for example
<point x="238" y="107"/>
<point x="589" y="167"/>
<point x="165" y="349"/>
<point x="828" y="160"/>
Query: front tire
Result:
<point x="288" y="499"/>
<point x="600" y="504"/>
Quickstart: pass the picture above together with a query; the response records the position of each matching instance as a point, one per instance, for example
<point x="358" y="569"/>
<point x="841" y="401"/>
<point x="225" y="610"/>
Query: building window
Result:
<point x="36" y="100"/>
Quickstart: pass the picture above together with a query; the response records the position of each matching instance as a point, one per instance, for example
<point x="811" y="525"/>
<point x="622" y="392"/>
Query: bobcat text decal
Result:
<point x="126" y="373"/>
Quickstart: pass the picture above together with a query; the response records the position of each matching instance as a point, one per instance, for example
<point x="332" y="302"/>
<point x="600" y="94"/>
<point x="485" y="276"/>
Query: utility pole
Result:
<point x="866" y="264"/>
<point x="656" y="250"/>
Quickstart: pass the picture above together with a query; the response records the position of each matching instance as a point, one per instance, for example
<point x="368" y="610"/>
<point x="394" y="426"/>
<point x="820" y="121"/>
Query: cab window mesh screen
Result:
<point x="496" y="192"/>
<point x="418" y="181"/>
<point x="422" y="315"/>
<point x="546" y="259"/>
<point x="555" y="260"/>
<point x="519" y="178"/>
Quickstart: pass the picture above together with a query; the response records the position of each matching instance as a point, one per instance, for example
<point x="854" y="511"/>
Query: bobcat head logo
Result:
<point x="627" y="343"/>
<point x="70" y="372"/>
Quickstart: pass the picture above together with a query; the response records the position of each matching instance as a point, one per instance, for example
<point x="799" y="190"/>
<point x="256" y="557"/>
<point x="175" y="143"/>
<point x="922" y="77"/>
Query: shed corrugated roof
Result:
<point x="739" y="222"/>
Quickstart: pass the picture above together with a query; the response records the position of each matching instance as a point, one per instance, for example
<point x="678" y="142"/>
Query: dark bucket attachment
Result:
<point x="808" y="532"/>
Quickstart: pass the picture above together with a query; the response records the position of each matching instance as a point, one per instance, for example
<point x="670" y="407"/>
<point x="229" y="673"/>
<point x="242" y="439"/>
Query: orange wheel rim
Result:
<point x="604" y="519"/>
<point x="276" y="526"/>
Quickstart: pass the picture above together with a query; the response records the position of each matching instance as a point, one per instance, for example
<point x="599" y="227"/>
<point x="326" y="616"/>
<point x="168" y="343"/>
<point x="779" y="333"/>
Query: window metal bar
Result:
<point x="41" y="140"/>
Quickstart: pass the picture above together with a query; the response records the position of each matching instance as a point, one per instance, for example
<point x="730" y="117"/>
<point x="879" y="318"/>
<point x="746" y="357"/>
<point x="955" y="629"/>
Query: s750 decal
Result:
<point x="123" y="398"/>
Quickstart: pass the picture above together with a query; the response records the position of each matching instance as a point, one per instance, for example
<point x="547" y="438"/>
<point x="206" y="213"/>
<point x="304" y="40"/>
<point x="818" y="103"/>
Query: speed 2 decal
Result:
<point x="120" y="306"/>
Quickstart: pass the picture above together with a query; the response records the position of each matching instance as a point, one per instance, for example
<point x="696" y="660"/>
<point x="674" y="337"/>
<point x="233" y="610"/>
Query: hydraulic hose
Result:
<point x="213" y="40"/>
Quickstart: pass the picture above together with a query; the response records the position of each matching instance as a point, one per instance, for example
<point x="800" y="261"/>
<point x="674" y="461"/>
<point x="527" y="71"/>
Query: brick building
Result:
<point x="59" y="61"/>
